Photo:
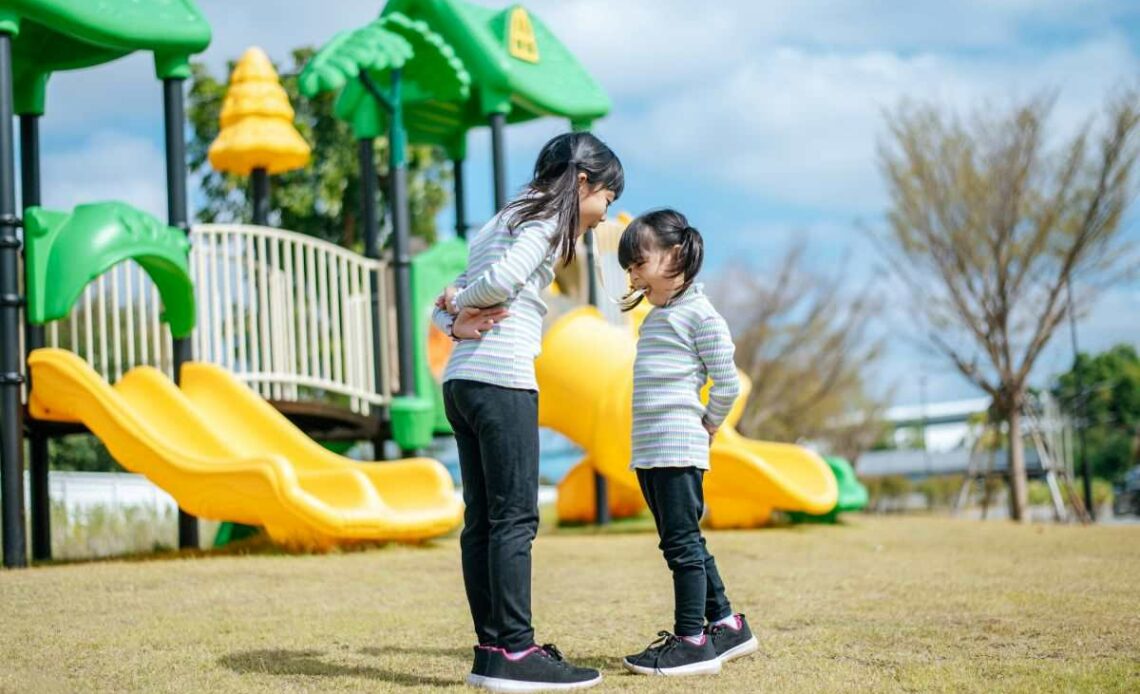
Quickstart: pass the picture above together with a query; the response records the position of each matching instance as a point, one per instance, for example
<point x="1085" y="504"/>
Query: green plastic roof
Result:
<point x="68" y="34"/>
<point x="555" y="84"/>
<point x="429" y="68"/>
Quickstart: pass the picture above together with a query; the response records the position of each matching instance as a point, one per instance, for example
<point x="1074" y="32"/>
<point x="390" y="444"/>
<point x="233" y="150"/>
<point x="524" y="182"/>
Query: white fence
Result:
<point x="288" y="313"/>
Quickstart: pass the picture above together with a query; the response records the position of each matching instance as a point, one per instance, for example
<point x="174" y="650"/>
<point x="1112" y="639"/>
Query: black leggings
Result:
<point x="496" y="430"/>
<point x="676" y="498"/>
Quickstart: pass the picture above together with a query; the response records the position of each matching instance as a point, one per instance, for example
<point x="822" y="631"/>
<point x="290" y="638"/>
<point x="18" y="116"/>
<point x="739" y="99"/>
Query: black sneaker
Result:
<point x="479" y="667"/>
<point x="730" y="642"/>
<point x="538" y="669"/>
<point x="674" y="656"/>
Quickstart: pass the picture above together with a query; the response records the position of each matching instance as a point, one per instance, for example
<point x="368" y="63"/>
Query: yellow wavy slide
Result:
<point x="585" y="374"/>
<point x="225" y="453"/>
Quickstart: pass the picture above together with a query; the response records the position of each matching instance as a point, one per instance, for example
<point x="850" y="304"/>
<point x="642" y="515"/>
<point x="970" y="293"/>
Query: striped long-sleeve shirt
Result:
<point x="508" y="269"/>
<point x="681" y="345"/>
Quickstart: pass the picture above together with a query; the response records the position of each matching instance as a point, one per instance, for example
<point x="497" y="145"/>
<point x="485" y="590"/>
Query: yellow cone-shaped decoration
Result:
<point x="257" y="122"/>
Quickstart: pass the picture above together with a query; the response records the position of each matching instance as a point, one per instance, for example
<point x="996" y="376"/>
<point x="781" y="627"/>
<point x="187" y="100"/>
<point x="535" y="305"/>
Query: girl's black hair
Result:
<point x="553" y="192"/>
<point x="661" y="229"/>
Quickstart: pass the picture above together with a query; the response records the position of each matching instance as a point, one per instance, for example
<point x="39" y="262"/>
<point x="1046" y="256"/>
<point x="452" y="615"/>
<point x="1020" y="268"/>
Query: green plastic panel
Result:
<point x="431" y="271"/>
<point x="65" y="251"/>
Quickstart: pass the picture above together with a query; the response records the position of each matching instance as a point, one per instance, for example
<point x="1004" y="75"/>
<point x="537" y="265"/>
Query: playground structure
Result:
<point x="223" y="340"/>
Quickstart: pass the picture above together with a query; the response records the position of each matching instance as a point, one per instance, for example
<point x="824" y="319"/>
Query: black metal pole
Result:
<point x="11" y="377"/>
<point x="40" y="500"/>
<point x="260" y="197"/>
<point x="1086" y="468"/>
<point x="460" y="202"/>
<point x="177" y="216"/>
<point x="499" y="159"/>
<point x="601" y="487"/>
<point x="366" y="152"/>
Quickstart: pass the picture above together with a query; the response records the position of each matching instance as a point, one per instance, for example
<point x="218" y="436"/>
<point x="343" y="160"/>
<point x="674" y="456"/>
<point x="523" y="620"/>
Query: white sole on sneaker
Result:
<point x="706" y="667"/>
<point x="475" y="680"/>
<point x="749" y="646"/>
<point x="500" y="685"/>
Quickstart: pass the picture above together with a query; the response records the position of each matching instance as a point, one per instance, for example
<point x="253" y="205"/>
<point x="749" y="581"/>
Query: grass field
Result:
<point x="914" y="604"/>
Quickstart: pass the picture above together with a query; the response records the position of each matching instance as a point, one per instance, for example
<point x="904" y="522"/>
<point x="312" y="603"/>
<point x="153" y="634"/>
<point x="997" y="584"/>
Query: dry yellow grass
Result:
<point x="915" y="604"/>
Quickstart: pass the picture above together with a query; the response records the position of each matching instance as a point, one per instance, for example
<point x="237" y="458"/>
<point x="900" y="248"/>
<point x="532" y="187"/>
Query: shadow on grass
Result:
<point x="465" y="654"/>
<point x="380" y="651"/>
<point x="310" y="663"/>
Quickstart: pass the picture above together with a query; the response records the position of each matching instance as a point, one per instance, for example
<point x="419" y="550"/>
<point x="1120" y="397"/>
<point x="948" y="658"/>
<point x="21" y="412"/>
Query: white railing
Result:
<point x="288" y="313"/>
<point x="115" y="325"/>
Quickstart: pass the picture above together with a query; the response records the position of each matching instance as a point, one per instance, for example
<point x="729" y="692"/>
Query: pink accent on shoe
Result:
<point x="696" y="640"/>
<point x="513" y="657"/>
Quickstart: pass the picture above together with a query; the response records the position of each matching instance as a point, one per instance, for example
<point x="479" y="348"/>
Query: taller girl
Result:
<point x="491" y="397"/>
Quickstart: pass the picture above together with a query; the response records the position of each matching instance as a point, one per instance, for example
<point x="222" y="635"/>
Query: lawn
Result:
<point x="897" y="604"/>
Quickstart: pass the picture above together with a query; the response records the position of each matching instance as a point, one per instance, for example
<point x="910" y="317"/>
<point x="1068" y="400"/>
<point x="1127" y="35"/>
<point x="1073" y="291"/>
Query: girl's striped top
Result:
<point x="681" y="345"/>
<point x="510" y="269"/>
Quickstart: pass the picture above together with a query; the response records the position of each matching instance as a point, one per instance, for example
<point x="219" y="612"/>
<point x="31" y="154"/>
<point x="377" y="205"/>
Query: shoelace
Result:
<point x="665" y="642"/>
<point x="555" y="655"/>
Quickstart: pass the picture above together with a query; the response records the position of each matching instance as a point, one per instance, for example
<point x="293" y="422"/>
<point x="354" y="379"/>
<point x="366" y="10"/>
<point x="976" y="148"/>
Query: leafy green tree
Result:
<point x="1108" y="405"/>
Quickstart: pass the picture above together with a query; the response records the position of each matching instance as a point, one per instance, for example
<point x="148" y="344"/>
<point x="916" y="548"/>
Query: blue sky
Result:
<point x="759" y="120"/>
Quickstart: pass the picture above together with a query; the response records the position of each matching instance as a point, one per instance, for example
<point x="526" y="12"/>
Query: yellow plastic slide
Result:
<point x="585" y="373"/>
<point x="224" y="453"/>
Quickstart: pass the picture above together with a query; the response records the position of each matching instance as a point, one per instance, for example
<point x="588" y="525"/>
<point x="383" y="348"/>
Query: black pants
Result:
<point x="496" y="430"/>
<point x="676" y="498"/>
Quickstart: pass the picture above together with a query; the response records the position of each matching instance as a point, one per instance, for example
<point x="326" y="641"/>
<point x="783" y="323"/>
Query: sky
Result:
<point x="759" y="120"/>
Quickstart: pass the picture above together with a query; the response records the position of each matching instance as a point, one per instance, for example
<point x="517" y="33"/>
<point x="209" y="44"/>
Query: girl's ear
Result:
<point x="583" y="184"/>
<point x="675" y="256"/>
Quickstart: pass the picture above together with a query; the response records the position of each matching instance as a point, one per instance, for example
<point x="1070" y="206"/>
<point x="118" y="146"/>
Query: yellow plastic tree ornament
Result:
<point x="521" y="42"/>
<point x="257" y="122"/>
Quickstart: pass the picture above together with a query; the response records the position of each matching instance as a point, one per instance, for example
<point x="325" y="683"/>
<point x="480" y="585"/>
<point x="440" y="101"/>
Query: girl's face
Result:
<point x="652" y="276"/>
<point x="593" y="203"/>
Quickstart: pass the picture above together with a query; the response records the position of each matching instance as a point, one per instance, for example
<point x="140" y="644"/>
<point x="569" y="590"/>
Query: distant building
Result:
<point x="943" y="426"/>
<point x="930" y="439"/>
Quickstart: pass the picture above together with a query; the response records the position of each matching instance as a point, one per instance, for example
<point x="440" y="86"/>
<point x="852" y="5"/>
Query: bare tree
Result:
<point x="803" y="339"/>
<point x="988" y="225"/>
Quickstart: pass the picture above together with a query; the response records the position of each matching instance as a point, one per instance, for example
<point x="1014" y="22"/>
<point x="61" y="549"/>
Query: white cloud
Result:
<point x="637" y="46"/>
<point x="800" y="127"/>
<point x="108" y="165"/>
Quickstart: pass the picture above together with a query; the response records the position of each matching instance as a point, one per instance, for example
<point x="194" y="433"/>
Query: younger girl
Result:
<point x="683" y="342"/>
<point x="491" y="399"/>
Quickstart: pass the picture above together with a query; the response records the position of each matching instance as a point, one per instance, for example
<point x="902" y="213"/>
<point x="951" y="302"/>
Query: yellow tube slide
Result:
<point x="224" y="453"/>
<point x="585" y="374"/>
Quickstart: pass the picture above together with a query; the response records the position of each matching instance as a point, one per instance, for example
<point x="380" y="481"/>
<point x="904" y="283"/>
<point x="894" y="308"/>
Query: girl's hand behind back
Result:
<point x="471" y="323"/>
<point x="709" y="428"/>
<point x="443" y="301"/>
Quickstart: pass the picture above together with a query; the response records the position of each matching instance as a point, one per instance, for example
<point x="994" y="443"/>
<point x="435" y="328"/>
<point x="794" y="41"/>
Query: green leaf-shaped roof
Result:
<point x="69" y="34"/>
<point x="429" y="69"/>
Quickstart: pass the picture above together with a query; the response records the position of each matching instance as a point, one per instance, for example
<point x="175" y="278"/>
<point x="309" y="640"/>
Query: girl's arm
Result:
<point x="442" y="318"/>
<point x="715" y="349"/>
<point x="506" y="277"/>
